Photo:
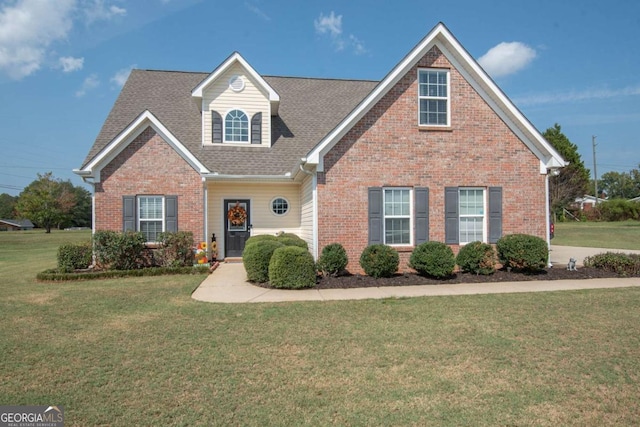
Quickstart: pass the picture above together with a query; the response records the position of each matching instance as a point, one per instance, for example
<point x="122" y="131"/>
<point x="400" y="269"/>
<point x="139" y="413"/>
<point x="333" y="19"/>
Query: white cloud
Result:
<point x="120" y="77"/>
<point x="255" y="9"/>
<point x="27" y="28"/>
<point x="69" y="63"/>
<point x="88" y="84"/>
<point x="332" y="26"/>
<point x="507" y="58"/>
<point x="575" y="96"/>
<point x="99" y="11"/>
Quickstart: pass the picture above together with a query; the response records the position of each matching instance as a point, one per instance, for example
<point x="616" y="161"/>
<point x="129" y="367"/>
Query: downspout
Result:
<point x="314" y="202"/>
<point x="205" y="204"/>
<point x="548" y="216"/>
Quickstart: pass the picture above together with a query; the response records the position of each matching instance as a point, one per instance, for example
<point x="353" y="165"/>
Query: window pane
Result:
<point x="470" y="229"/>
<point x="150" y="207"/>
<point x="151" y="229"/>
<point x="236" y="126"/>
<point x="397" y="231"/>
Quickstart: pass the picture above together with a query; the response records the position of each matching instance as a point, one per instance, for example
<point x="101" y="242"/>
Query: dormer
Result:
<point x="236" y="104"/>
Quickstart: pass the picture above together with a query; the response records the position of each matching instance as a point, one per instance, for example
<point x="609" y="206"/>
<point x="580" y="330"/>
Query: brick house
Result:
<point x="434" y="151"/>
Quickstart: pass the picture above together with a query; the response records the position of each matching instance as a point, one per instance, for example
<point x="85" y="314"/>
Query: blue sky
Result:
<point x="63" y="62"/>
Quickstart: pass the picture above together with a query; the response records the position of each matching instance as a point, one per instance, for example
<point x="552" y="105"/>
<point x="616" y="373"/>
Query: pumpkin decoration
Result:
<point x="237" y="215"/>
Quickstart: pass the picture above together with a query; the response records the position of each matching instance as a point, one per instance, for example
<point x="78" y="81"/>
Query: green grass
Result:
<point x="614" y="235"/>
<point x="140" y="351"/>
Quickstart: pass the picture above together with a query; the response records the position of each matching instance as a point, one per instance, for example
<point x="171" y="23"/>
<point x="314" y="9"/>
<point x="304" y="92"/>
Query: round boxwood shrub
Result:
<point x="523" y="252"/>
<point x="333" y="259"/>
<point x="434" y="259"/>
<point x="260" y="238"/>
<point x="288" y="240"/>
<point x="292" y="267"/>
<point x="256" y="258"/>
<point x="379" y="260"/>
<point x="477" y="257"/>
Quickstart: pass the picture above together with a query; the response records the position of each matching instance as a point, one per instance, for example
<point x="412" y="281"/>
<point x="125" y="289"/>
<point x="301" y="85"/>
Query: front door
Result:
<point x="236" y="227"/>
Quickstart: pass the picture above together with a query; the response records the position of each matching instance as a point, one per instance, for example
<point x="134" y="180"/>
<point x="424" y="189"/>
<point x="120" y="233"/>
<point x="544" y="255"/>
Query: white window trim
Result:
<point x="139" y="220"/>
<point x="485" y="205"/>
<point x="384" y="217"/>
<point x="282" y="214"/>
<point x="224" y="128"/>
<point x="447" y="98"/>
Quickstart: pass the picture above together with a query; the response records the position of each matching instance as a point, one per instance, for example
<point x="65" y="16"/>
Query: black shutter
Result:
<point x="128" y="213"/>
<point x="256" y="128"/>
<point x="451" y="223"/>
<point x="171" y="214"/>
<point x="216" y="127"/>
<point x="495" y="214"/>
<point x="422" y="215"/>
<point x="375" y="215"/>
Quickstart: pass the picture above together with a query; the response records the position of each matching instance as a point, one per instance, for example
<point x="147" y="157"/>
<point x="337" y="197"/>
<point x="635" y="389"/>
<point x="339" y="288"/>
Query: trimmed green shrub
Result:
<point x="74" y="256"/>
<point x="176" y="249"/>
<point x="293" y="241"/>
<point x="433" y="259"/>
<point x="256" y="258"/>
<point x="56" y="275"/>
<point x="620" y="263"/>
<point x="333" y="259"/>
<point x="379" y="260"/>
<point x="477" y="257"/>
<point x="119" y="251"/>
<point x="260" y="238"/>
<point x="292" y="267"/>
<point x="523" y="252"/>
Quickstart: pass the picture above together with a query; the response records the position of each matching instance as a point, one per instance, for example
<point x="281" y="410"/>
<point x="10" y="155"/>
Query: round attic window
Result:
<point x="236" y="83"/>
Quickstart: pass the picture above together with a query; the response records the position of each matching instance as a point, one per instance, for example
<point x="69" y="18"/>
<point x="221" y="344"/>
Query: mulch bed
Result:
<point x="412" y="279"/>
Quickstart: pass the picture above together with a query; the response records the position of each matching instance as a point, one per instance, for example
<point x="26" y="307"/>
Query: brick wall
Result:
<point x="149" y="166"/>
<point x="386" y="148"/>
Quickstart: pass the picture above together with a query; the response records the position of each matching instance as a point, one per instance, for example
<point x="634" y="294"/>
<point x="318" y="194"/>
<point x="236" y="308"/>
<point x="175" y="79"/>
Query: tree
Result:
<point x="46" y="202"/>
<point x="7" y="206"/>
<point x="621" y="185"/>
<point x="572" y="181"/>
<point x="80" y="215"/>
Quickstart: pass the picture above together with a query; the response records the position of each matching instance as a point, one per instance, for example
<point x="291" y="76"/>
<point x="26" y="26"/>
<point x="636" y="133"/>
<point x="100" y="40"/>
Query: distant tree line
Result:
<point x="49" y="203"/>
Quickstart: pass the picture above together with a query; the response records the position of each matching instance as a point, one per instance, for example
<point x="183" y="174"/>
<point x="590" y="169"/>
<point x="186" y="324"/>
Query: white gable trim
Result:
<point x="274" y="98"/>
<point x="473" y="73"/>
<point x="124" y="138"/>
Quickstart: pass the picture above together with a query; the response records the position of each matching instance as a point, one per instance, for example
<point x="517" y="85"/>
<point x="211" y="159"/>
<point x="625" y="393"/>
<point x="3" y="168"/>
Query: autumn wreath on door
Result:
<point x="237" y="215"/>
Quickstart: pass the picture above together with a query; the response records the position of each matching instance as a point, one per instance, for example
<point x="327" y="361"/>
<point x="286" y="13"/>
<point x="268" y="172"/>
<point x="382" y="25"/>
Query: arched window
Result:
<point x="236" y="127"/>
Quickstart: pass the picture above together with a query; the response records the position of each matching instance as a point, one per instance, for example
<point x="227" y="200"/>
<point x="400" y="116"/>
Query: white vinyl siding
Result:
<point x="472" y="215"/>
<point x="263" y="221"/>
<point x="306" y="213"/>
<point x="251" y="100"/>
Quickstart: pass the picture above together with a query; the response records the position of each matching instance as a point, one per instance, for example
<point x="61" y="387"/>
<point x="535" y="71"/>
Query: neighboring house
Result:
<point x="635" y="199"/>
<point x="15" y="224"/>
<point x="586" y="202"/>
<point x="434" y="151"/>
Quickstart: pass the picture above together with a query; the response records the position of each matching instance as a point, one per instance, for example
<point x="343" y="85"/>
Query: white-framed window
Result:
<point x="151" y="216"/>
<point x="236" y="126"/>
<point x="279" y="206"/>
<point x="472" y="214"/>
<point x="433" y="97"/>
<point x="397" y="216"/>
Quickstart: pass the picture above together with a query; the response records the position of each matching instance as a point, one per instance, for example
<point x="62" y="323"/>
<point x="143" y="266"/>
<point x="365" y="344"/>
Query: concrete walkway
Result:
<point x="227" y="284"/>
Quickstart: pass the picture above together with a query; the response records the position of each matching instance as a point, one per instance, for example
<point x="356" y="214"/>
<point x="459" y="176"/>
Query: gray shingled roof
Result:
<point x="309" y="109"/>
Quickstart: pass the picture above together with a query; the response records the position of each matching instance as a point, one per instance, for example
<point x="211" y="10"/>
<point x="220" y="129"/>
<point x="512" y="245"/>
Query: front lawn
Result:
<point x="614" y="235"/>
<point x="140" y="351"/>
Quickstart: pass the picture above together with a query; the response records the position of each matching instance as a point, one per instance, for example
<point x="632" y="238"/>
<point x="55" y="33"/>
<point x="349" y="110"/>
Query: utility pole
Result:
<point x="595" y="172"/>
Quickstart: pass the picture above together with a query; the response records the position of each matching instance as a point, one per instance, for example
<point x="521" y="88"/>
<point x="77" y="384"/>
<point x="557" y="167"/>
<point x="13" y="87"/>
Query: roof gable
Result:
<point x="442" y="38"/>
<point x="124" y="138"/>
<point x="236" y="58"/>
